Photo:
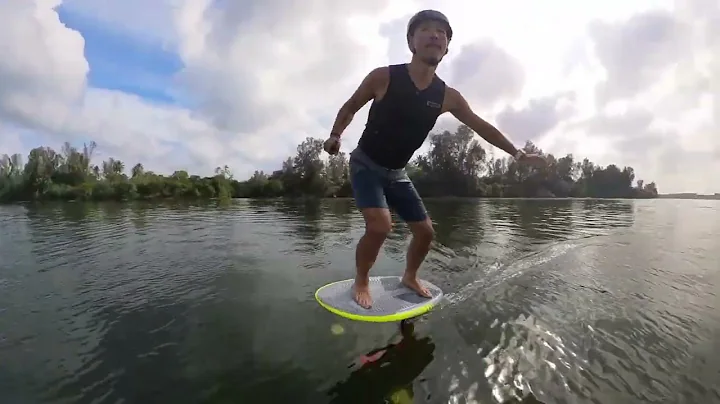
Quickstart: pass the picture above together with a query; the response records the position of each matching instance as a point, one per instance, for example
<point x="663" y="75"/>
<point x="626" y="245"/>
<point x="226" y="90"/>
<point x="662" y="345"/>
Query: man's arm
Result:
<point x="364" y="93"/>
<point x="458" y="106"/>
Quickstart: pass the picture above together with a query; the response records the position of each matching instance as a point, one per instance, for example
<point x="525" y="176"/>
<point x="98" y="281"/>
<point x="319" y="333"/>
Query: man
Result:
<point x="407" y="100"/>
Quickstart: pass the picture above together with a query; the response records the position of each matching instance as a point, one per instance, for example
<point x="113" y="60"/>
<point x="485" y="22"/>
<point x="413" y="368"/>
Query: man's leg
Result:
<point x="403" y="197"/>
<point x="377" y="226"/>
<point x="370" y="199"/>
<point x="422" y="236"/>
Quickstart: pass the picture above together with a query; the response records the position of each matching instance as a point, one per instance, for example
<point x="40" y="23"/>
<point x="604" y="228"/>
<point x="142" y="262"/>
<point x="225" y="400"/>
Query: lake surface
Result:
<point x="548" y="301"/>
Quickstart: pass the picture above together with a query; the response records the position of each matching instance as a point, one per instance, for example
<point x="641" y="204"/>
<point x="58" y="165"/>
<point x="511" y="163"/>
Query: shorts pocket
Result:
<point x="356" y="167"/>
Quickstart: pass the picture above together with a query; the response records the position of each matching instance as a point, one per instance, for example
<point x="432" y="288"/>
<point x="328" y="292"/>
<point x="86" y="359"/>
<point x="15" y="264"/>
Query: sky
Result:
<point x="196" y="84"/>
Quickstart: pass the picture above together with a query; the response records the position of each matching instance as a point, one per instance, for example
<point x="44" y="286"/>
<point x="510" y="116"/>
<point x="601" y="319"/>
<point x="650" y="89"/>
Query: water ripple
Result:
<point x="548" y="301"/>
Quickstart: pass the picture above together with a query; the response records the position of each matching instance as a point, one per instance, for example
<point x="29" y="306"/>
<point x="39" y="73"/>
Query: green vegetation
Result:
<point x="456" y="165"/>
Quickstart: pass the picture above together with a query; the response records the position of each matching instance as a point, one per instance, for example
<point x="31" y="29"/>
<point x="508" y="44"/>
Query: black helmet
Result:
<point x="426" y="15"/>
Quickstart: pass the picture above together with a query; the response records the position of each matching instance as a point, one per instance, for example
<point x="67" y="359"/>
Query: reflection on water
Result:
<point x="388" y="373"/>
<point x="548" y="301"/>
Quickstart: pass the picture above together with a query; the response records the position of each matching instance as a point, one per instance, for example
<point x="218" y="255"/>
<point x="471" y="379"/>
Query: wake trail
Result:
<point x="499" y="273"/>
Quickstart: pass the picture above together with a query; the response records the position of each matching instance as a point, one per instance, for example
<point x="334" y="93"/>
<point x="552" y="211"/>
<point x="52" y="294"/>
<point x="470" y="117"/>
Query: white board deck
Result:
<point x="391" y="300"/>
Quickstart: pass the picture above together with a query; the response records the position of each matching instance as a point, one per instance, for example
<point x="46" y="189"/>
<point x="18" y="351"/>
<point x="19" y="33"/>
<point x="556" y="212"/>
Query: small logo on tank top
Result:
<point x="433" y="104"/>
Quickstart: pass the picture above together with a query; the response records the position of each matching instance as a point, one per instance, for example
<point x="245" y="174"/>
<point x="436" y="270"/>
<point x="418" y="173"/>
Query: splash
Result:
<point x="497" y="273"/>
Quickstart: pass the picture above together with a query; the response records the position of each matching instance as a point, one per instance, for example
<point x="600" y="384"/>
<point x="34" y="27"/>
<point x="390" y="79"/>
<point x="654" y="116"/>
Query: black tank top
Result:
<point x="399" y="123"/>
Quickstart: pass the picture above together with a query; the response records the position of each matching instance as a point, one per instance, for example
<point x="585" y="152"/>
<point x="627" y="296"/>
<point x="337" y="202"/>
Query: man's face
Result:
<point x="430" y="41"/>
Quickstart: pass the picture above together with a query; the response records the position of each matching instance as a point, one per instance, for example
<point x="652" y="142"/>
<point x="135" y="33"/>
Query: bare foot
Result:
<point x="361" y="295"/>
<point x="413" y="284"/>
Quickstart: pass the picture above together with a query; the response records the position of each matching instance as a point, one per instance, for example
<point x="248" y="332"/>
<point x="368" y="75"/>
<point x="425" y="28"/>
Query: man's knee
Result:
<point x="378" y="223"/>
<point x="379" y="228"/>
<point x="423" y="231"/>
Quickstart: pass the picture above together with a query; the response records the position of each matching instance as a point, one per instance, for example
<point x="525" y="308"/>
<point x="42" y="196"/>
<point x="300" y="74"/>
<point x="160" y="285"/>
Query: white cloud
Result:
<point x="479" y="61"/>
<point x="11" y="140"/>
<point x="42" y="69"/>
<point x="633" y="83"/>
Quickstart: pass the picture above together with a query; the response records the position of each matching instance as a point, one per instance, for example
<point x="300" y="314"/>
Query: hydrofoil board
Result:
<point x="391" y="300"/>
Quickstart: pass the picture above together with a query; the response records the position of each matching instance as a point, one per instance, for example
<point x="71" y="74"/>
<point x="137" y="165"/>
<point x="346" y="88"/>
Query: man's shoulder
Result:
<point x="380" y="74"/>
<point x="451" y="91"/>
<point x="387" y="69"/>
<point x="381" y="70"/>
<point x="453" y="98"/>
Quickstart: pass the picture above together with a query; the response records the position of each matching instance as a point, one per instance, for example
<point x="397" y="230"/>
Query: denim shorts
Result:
<point x="374" y="186"/>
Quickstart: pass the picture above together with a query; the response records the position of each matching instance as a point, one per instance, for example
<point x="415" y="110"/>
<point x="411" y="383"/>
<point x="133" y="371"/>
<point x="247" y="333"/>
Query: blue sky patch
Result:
<point x="124" y="63"/>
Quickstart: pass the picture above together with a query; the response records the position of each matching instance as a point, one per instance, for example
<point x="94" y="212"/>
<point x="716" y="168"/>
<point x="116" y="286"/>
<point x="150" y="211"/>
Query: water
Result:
<point x="552" y="301"/>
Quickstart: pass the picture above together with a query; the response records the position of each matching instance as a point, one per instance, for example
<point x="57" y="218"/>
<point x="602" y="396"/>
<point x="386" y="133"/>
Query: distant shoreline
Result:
<point x="688" y="195"/>
<point x="313" y="198"/>
<point x="455" y="164"/>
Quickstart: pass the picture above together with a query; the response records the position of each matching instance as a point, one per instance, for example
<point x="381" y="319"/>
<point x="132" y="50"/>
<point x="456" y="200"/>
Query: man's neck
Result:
<point x="421" y="71"/>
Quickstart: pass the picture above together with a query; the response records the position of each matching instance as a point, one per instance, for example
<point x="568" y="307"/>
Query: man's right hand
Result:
<point x="332" y="144"/>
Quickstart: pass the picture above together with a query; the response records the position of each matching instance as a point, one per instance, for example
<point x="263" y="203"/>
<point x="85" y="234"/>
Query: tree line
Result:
<point x="456" y="164"/>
